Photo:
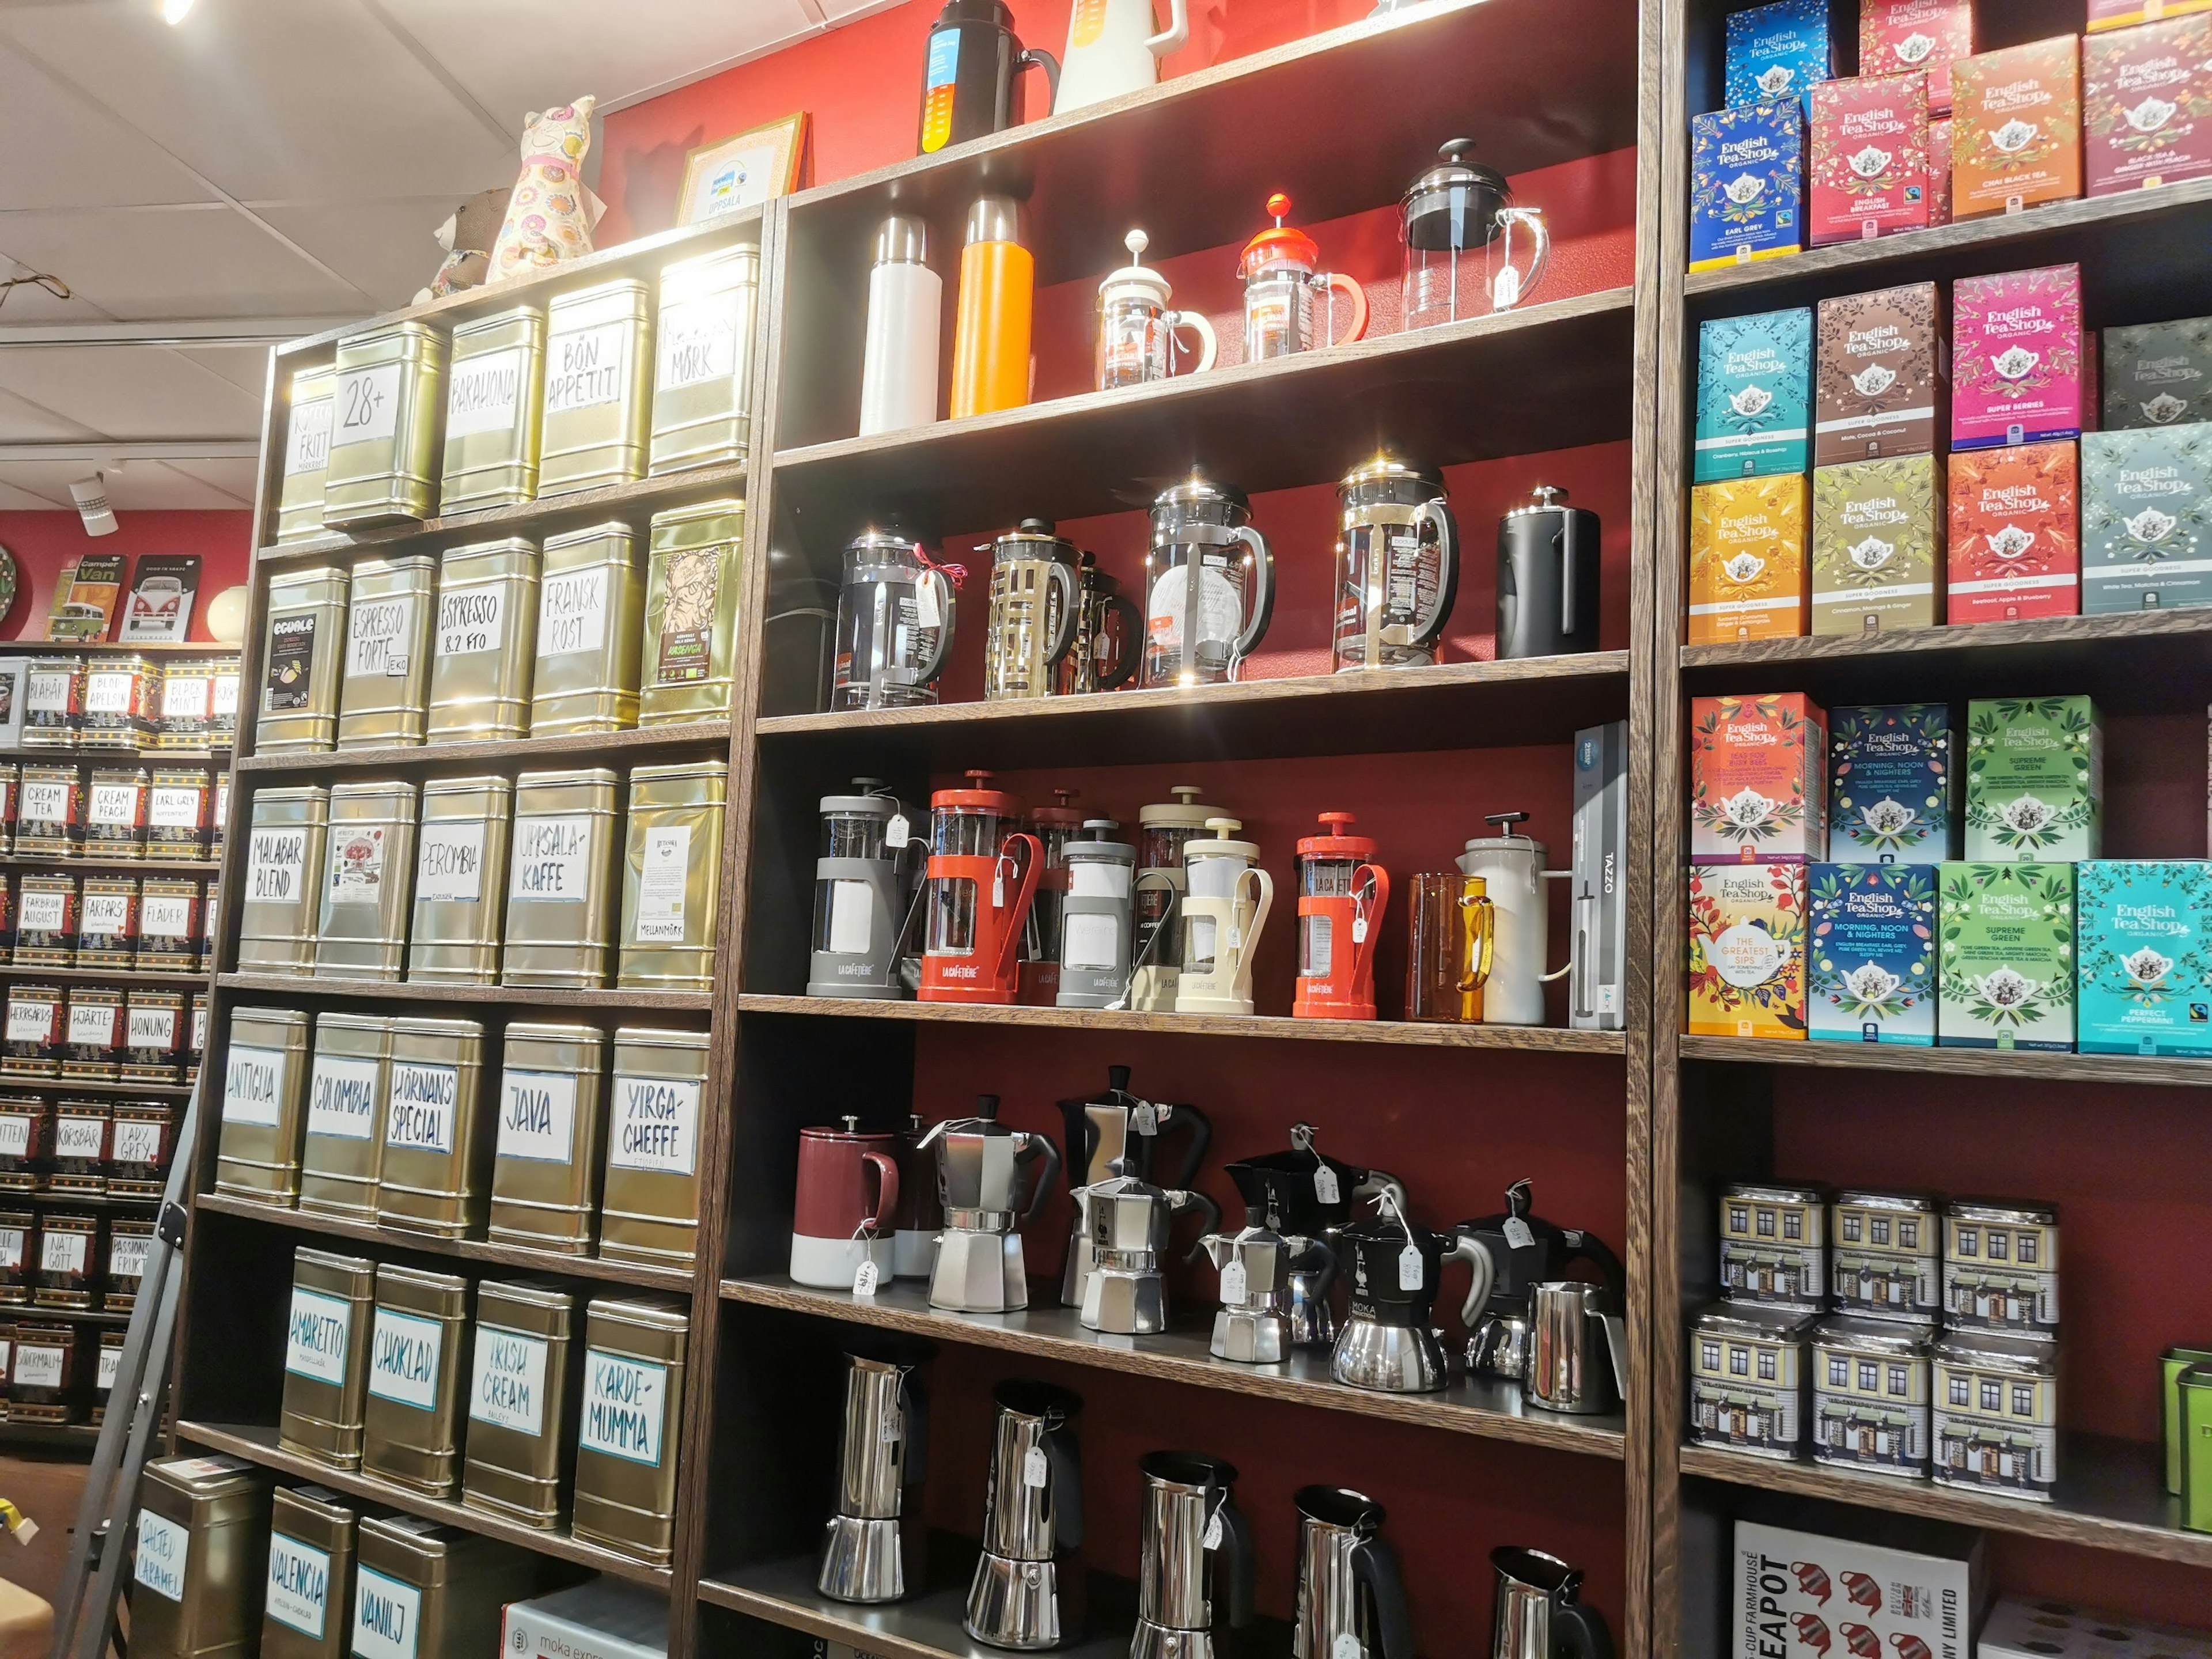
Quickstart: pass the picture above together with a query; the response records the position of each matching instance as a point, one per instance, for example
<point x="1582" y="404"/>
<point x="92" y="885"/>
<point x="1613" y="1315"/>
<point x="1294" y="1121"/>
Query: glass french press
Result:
<point x="863" y="889"/>
<point x="1164" y="829"/>
<point x="1397" y="565"/>
<point x="1458" y="226"/>
<point x="1108" y="630"/>
<point x="1137" y="329"/>
<point x="1343" y="895"/>
<point x="1209" y="585"/>
<point x="1282" y="279"/>
<point x="1036" y="605"/>
<point x="1054" y="826"/>
<point x="895" y="618"/>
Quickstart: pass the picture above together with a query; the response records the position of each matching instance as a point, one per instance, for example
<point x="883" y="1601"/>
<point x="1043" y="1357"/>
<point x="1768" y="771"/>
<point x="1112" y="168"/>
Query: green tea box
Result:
<point x="2146" y="520"/>
<point x="1878" y="545"/>
<point x="1893" y="784"/>
<point x="2157" y="375"/>
<point x="2146" y="955"/>
<point x="2007" y="956"/>
<point x="1871" y="958"/>
<point x="2035" y="779"/>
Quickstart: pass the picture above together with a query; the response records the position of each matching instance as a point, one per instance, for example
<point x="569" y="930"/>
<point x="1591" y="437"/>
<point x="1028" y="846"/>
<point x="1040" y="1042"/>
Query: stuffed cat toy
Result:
<point x="467" y="236"/>
<point x="550" y="215"/>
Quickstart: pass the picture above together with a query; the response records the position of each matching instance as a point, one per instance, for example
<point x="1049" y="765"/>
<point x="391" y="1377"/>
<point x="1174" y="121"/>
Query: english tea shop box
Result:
<point x="2016" y="374"/>
<point x="2159" y="375"/>
<point x="2146" y="956"/>
<point x="1878" y="546"/>
<point x="1939" y="172"/>
<point x="1754" y="395"/>
<point x="1870" y="955"/>
<point x="1747" y="951"/>
<point x="1880" y="384"/>
<point x="2008" y="956"/>
<point x="1748" y="560"/>
<point x="1747" y="185"/>
<point x="2015" y="546"/>
<point x="2147" y="519"/>
<point x="1916" y="1595"/>
<point x="2126" y="14"/>
<point x="1757" y="767"/>
<point x="2035" y="779"/>
<point x="1904" y="37"/>
<point x="2016" y="128"/>
<point x="1868" y="172"/>
<point x="2147" y="105"/>
<point x="1778" y="51"/>
<point x="1893" y="784"/>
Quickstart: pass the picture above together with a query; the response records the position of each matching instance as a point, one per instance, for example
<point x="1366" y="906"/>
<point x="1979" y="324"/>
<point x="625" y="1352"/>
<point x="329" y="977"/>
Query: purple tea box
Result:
<point x="2016" y="360"/>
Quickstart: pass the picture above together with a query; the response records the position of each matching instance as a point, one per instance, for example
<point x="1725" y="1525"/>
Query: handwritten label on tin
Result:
<point x="419" y="1117"/>
<point x="663" y="866"/>
<point x="367" y="405"/>
<point x="471" y="619"/>
<point x="403" y="1358"/>
<point x="483" y="393"/>
<point x="572" y="612"/>
<point x="341" y="1097"/>
<point x="79" y="1137"/>
<point x="107" y="691"/>
<point x="315" y="1336"/>
<point x="31" y="1019"/>
<point x="48" y="693"/>
<point x="276" y="865"/>
<point x="623" y="1401"/>
<point x="449" y="863"/>
<point x="253" y="1086"/>
<point x="127" y="1254"/>
<point x="164" y="1545"/>
<point x="151" y="1027"/>
<point x="114" y="803"/>
<point x="138" y="1142"/>
<point x="14" y="1135"/>
<point x="538" y="1116"/>
<point x="506" y="1384"/>
<point x="357" y="867"/>
<point x="552" y="859"/>
<point x="45" y="803"/>
<point x="184" y="697"/>
<point x="11" y="1247"/>
<point x="655" y="1125"/>
<point x="384" y="1615"/>
<point x="170" y="807"/>
<point x="106" y="914"/>
<point x="61" y="1253"/>
<point x="375" y="629"/>
<point x="223" y="696"/>
<point x="165" y="917"/>
<point x="44" y="912"/>
<point x="698" y="341"/>
<point x="585" y="366"/>
<point x="40" y="1365"/>
<point x="109" y="1366"/>
<point x="307" y="448"/>
<point x="299" y="1584"/>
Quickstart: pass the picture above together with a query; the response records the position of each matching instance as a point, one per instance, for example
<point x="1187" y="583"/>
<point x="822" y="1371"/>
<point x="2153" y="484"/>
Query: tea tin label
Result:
<point x="666" y="862"/>
<point x="165" y="1548"/>
<point x="420" y="1116"/>
<point x="357" y="868"/>
<point x="655" y="1125"/>
<point x="299" y="1584"/>
<point x="572" y="611"/>
<point x="368" y="405"/>
<point x="585" y="366"/>
<point x="315" y="1336"/>
<point x="308" y="445"/>
<point x="471" y="619"/>
<point x="276" y="865"/>
<point x="341" y="1097"/>
<point x="11" y="1247"/>
<point x="552" y="859"/>
<point x="290" y="674"/>
<point x="483" y="392"/>
<point x="107" y="914"/>
<point x="77" y="1137"/>
<point x="14" y="1135"/>
<point x="698" y="341"/>
<point x="538" y="1116"/>
<point x="449" y="862"/>
<point x="403" y="1358"/>
<point x="62" y="1253"/>
<point x="253" y="1086"/>
<point x="40" y="1365"/>
<point x="32" y="1020"/>
<point x="386" y="1614"/>
<point x="686" y="649"/>
<point x="138" y="1142"/>
<point x="127" y="1254"/>
<point x="506" y="1386"/>
<point x="165" y="917"/>
<point x="624" y="1403"/>
<point x="375" y="627"/>
<point x="172" y="808"/>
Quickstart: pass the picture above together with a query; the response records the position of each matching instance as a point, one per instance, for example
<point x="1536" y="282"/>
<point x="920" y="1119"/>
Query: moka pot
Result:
<point x="991" y="1181"/>
<point x="873" y="1547"/>
<point x="1120" y="1134"/>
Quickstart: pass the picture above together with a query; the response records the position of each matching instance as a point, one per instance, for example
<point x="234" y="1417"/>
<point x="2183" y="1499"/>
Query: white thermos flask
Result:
<point x="906" y="299"/>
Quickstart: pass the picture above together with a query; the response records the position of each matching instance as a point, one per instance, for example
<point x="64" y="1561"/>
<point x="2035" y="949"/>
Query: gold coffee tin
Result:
<point x="307" y="455"/>
<point x="53" y="701"/>
<point x="68" y="1247"/>
<point x="494" y="400"/>
<point x="280" y="888"/>
<point x="303" y="650"/>
<point x="50" y="811"/>
<point x="523" y="1398"/>
<point x="546" y="1164"/>
<point x="347" y="1086"/>
<point x="201" y="1537"/>
<point x="308" y="1607"/>
<point x="483" y="642"/>
<point x="690" y="613"/>
<point x="130" y="1241"/>
<point x="560" y="876"/>
<point x="598" y="372"/>
<point x="453" y="1583"/>
<point x="590" y="599"/>
<point x="170" y="924"/>
<point x="460" y="880"/>
<point x="384" y="414"/>
<point x="626" y="1437"/>
<point x="649" y="1204"/>
<point x="326" y="1356"/>
<point x="264" y="1087"/>
<point x="384" y="695"/>
<point x="412" y="1417"/>
<point x="673" y="878"/>
<point x="435" y="1157"/>
<point x="108" y="923"/>
<point x="703" y="359"/>
<point x="139" y="1145"/>
<point x="369" y="857"/>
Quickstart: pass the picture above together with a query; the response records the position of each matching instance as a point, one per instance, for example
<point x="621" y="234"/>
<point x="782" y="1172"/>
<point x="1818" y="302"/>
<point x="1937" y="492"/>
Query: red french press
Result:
<point x="980" y="880"/>
<point x="1342" y="895"/>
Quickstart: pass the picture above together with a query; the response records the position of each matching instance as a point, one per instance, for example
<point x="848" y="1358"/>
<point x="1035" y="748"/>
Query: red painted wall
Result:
<point x="44" y="542"/>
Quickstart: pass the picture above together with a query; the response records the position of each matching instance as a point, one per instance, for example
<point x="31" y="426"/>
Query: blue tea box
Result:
<point x="1894" y="784"/>
<point x="2145" y="955"/>
<point x="1779" y="51"/>
<point x="1754" y="392"/>
<point x="1871" y="963"/>
<point x="1747" y="185"/>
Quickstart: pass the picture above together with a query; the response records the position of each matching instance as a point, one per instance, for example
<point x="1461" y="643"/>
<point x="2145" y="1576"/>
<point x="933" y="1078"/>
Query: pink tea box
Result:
<point x="2017" y="371"/>
<point x="1869" y="174"/>
<point x="1922" y="37"/>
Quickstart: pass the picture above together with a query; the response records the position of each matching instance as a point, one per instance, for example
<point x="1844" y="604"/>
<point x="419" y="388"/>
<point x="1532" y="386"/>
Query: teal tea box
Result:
<point x="1872" y="959"/>
<point x="2147" y="519"/>
<point x="2007" y="956"/>
<point x="1893" y="784"/>
<point x="2035" y="779"/>
<point x="1747" y="185"/>
<point x="2145" y="983"/>
<point x="1754" y="389"/>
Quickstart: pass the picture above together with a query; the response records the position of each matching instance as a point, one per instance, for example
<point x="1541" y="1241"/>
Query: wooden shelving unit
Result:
<point x="502" y="996"/>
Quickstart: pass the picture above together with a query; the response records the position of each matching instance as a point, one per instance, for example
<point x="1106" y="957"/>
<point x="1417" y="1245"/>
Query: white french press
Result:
<point x="1511" y="866"/>
<point x="1137" y="328"/>
<point x="1226" y="902"/>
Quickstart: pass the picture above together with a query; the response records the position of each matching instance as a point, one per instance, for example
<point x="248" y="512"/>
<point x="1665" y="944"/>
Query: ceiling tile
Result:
<point x="24" y="422"/>
<point x="150" y="266"/>
<point x="245" y="368"/>
<point x="139" y="486"/>
<point x="387" y="248"/>
<point x="132" y="393"/>
<point x="63" y="153"/>
<point x="234" y="478"/>
<point x="14" y="499"/>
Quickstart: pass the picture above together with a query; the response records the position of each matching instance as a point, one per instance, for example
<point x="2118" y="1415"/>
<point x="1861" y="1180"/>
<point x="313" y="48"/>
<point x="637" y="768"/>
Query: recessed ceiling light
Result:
<point x="174" y="12"/>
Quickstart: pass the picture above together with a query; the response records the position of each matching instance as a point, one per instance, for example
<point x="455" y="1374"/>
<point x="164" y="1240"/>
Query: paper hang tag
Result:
<point x="25" y="1530"/>
<point x="897" y="832"/>
<point x="888" y="1430"/>
<point x="999" y="885"/>
<point x="1346" y="1646"/>
<point x="863" y="1278"/>
<point x="1507" y="294"/>
<point x="1325" y="1189"/>
<point x="925" y="613"/>
<point x="1518" y="1234"/>
<point x="1234" y="1283"/>
<point x="1410" y="1273"/>
<point x="1212" y="1541"/>
<point x="1035" y="1470"/>
<point x="1359" y="930"/>
<point x="1146" y="1119"/>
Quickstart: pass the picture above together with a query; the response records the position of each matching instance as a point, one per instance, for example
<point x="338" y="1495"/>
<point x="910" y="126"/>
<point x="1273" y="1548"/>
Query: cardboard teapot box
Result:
<point x="2035" y="779"/>
<point x="2016" y="128"/>
<point x="2015" y="538"/>
<point x="1926" y="37"/>
<point x="1758" y="779"/>
<point x="2007" y="968"/>
<point x="1754" y="396"/>
<point x="2146" y="957"/>
<point x="1747" y="561"/>
<point x="2034" y="1628"/>
<point x="1868" y="174"/>
<point x="1893" y="776"/>
<point x="1747" y="185"/>
<point x="1878" y="546"/>
<point x="2147" y="105"/>
<point x="2017" y="369"/>
<point x="1813" y="1595"/>
<point x="1747" y="975"/>
<point x="1881" y="384"/>
<point x="2157" y="375"/>
<point x="1870" y="958"/>
<point x="2147" y="519"/>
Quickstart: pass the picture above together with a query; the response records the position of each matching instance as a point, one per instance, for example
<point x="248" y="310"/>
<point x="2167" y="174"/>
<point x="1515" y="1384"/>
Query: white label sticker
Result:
<point x="299" y="1584"/>
<point x="572" y="611"/>
<point x="420" y="1116"/>
<point x="62" y="1253"/>
<point x="506" y="1381"/>
<point x="14" y="1135"/>
<point x="471" y="619"/>
<point x="106" y="914"/>
<point x="309" y="446"/>
<point x="356" y="875"/>
<point x="169" y="807"/>
<point x="655" y="1125"/>
<point x="109" y="1366"/>
<point x="449" y="862"/>
<point x="11" y="1247"/>
<point x="365" y="408"/>
<point x="852" y="917"/>
<point x="185" y="697"/>
<point x="275" y="866"/>
<point x="403" y="1358"/>
<point x="223" y="700"/>
<point x="341" y="1097"/>
<point x="44" y="912"/>
<point x="253" y="1085"/>
<point x="138" y="1142"/>
<point x="39" y="1365"/>
<point x="127" y="1254"/>
<point x="385" y="1614"/>
<point x="663" y="866"/>
<point x="1090" y="941"/>
<point x="315" y="1336"/>
<point x="623" y="1403"/>
<point x="49" y="693"/>
<point x="483" y="393"/>
<point x="585" y="366"/>
<point x="199" y="1026"/>
<point x="113" y="804"/>
<point x="146" y="1027"/>
<point x="165" y="917"/>
<point x="164" y="1546"/>
<point x="375" y="629"/>
<point x="30" y="1020"/>
<point x="698" y="341"/>
<point x="45" y="802"/>
<point x="1036" y="1470"/>
<point x="107" y="691"/>
<point x="79" y="1137"/>
<point x="552" y="859"/>
<point x="538" y="1116"/>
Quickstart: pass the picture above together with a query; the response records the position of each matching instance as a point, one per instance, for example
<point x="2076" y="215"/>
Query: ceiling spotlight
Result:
<point x="174" y="12"/>
<point x="91" y="497"/>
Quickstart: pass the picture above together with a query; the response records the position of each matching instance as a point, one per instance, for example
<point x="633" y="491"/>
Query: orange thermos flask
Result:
<point x="991" y="334"/>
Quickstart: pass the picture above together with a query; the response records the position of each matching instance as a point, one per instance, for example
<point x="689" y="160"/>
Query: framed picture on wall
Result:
<point x="160" y="608"/>
<point x="12" y="673"/>
<point x="734" y="173"/>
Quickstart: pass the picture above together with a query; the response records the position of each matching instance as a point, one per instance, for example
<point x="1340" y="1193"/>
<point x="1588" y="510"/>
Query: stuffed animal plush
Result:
<point x="550" y="215"/>
<point x="467" y="236"/>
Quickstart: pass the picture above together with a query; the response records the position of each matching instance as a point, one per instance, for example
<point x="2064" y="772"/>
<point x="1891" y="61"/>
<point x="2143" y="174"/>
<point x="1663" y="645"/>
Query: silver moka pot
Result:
<point x="871" y="1548"/>
<point x="1028" y="1590"/>
<point x="1547" y="578"/>
<point x="1194" y="1558"/>
<point x="864" y="889"/>
<point x="1263" y="1274"/>
<point x="991" y="1180"/>
<point x="1120" y="1134"/>
<point x="1131" y="1220"/>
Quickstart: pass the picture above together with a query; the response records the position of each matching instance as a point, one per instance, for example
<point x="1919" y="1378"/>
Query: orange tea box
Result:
<point x="1758" y="779"/>
<point x="1747" y="951"/>
<point x="1748" y="560"/>
<point x="2016" y="128"/>
<point x="2016" y="533"/>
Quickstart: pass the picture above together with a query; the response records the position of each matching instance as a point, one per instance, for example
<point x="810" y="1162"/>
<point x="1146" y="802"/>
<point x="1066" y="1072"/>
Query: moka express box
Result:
<point x="2126" y="14"/>
<point x="2159" y="375"/>
<point x="1748" y="560"/>
<point x="1746" y="975"/>
<point x="1868" y="173"/>
<point x="1870" y="959"/>
<point x="1878" y="546"/>
<point x="1754" y="396"/>
<point x="1756" y="768"/>
<point x="2016" y="358"/>
<point x="1747" y="185"/>
<point x="2035" y="779"/>
<point x="2146" y="957"/>
<point x="2147" y="105"/>
<point x="1881" y="383"/>
<point x="2007" y="966"/>
<point x="2147" y="519"/>
<point x="1904" y="37"/>
<point x="1782" y="49"/>
<point x="1900" y="1588"/>
<point x="1893" y="777"/>
<point x="2016" y="128"/>
<point x="2016" y="542"/>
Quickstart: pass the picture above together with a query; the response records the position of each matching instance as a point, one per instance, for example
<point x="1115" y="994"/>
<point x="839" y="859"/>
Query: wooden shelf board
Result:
<point x="78" y="863"/>
<point x="30" y="1313"/>
<point x="106" y="1201"/>
<point x="217" y="758"/>
<point x="2020" y="1064"/>
<point x="144" y="648"/>
<point x="467" y="1250"/>
<point x="257" y="1445"/>
<point x="2112" y="1496"/>
<point x="105" y="975"/>
<point x="512" y="996"/>
<point x="10" y="1081"/>
<point x="72" y="1437"/>
<point x="581" y="749"/>
<point x="1490" y="1411"/>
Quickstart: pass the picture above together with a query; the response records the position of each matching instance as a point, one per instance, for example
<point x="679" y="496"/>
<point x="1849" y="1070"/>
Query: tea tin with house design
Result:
<point x="2000" y="1266"/>
<point x="1747" y="1373"/>
<point x="1774" y="1245"/>
<point x="1887" y="1253"/>
<point x="1996" y="1414"/>
<point x="1870" y="1395"/>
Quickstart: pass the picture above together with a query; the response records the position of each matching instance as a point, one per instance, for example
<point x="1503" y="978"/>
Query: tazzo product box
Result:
<point x="1757" y="780"/>
<point x="2017" y="368"/>
<point x="1747" y="951"/>
<point x="2126" y="14"/>
<point x="1893" y="777"/>
<point x="2147" y="105"/>
<point x="1754" y="396"/>
<point x="1881" y="375"/>
<point x="2146" y="957"/>
<point x="2007" y="956"/>
<point x="1878" y="546"/>
<point x="1808" y="1596"/>
<point x="1747" y="185"/>
<point x="1748" y="560"/>
<point x="1782" y="49"/>
<point x="1871" y="957"/>
<point x="2160" y="374"/>
<point x="1904" y="37"/>
<point x="2035" y="779"/>
<point x="2015" y="544"/>
<point x="2147" y="519"/>
<point x="2037" y="1628"/>
<point x="1868" y="169"/>
<point x="2016" y="128"/>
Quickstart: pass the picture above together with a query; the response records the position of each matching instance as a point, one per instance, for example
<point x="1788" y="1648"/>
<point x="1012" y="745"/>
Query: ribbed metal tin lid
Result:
<point x="1986" y="1351"/>
<point x="1856" y="1198"/>
<point x="396" y="564"/>
<point x="545" y="1295"/>
<point x="1760" y="1192"/>
<point x="582" y="774"/>
<point x="2002" y="1211"/>
<point x="505" y="545"/>
<point x="428" y="1025"/>
<point x="640" y="1036"/>
<point x="285" y="580"/>
<point x="1899" y="1340"/>
<point x="671" y="770"/>
<point x="492" y="324"/>
<point x="284" y="1017"/>
<point x="533" y="1031"/>
<point x="614" y="530"/>
<point x="304" y="1257"/>
<point x="205" y="1477"/>
<point x="419" y="1279"/>
<point x="646" y="1316"/>
<point x="321" y="1501"/>
<point x="489" y="780"/>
